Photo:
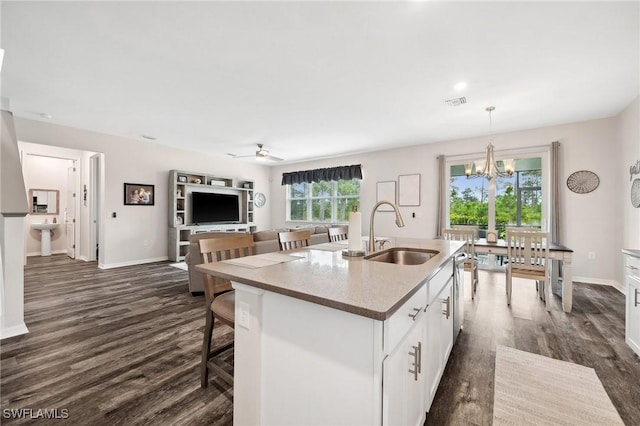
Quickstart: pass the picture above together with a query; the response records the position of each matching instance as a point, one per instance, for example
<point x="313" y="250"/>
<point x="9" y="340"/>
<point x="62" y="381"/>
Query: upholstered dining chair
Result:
<point x="338" y="233"/>
<point x="294" y="239"/>
<point x="528" y="257"/>
<point x="220" y="308"/>
<point x="471" y="264"/>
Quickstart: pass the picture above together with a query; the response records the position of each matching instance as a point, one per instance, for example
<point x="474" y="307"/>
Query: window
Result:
<point x="324" y="201"/>
<point x="515" y="200"/>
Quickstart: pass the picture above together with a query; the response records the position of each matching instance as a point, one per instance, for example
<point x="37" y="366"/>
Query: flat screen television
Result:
<point x="211" y="207"/>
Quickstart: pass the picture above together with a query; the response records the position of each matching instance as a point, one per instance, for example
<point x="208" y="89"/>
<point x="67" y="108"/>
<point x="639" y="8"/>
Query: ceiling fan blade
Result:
<point x="271" y="157"/>
<point x="240" y="156"/>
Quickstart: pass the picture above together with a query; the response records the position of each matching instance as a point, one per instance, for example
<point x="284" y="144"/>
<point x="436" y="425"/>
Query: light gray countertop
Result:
<point x="632" y="252"/>
<point x="371" y="289"/>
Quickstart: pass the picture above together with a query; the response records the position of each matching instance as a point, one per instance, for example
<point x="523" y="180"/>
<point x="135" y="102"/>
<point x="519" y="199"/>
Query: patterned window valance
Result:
<point x="328" y="174"/>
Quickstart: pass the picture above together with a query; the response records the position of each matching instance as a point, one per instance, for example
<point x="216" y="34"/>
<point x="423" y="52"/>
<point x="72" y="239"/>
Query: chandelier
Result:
<point x="488" y="167"/>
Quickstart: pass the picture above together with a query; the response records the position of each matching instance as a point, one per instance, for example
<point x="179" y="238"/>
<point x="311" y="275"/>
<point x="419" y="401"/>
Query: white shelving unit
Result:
<point x="181" y="184"/>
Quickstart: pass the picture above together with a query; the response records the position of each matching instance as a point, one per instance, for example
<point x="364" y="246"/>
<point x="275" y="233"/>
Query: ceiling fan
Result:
<point x="261" y="154"/>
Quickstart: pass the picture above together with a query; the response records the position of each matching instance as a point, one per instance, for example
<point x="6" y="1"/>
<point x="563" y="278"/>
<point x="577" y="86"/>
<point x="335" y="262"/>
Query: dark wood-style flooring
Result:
<point x="121" y="346"/>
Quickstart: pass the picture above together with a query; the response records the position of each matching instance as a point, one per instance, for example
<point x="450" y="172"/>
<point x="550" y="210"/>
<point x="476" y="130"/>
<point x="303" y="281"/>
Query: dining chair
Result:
<point x="471" y="264"/>
<point x="294" y="239"/>
<point x="220" y="308"/>
<point x="474" y="228"/>
<point x="528" y="257"/>
<point x="338" y="233"/>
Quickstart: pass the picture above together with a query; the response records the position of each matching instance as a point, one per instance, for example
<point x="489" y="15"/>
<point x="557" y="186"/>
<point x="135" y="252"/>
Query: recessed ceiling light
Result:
<point x="151" y="138"/>
<point x="45" y="115"/>
<point x="460" y="86"/>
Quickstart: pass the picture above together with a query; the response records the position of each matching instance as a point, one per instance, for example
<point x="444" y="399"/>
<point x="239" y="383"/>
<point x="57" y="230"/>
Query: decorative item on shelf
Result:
<point x="218" y="183"/>
<point x="138" y="194"/>
<point x="355" y="234"/>
<point x="259" y="199"/>
<point x="179" y="193"/>
<point x="492" y="237"/>
<point x="635" y="186"/>
<point x="196" y="180"/>
<point x="488" y="167"/>
<point x="179" y="220"/>
<point x="182" y="179"/>
<point x="583" y="182"/>
<point x="246" y="185"/>
<point x="635" y="193"/>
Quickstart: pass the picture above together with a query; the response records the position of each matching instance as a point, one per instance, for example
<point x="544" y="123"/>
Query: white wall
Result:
<point x="590" y="221"/>
<point x="134" y="161"/>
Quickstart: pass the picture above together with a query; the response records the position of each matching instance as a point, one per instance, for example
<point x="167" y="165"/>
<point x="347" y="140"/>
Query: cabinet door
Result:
<point x="439" y="340"/>
<point x="403" y="378"/>
<point x="633" y="313"/>
<point x="432" y="352"/>
<point x="446" y="323"/>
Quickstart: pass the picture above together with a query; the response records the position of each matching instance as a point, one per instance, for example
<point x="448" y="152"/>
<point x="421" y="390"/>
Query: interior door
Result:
<point x="70" y="212"/>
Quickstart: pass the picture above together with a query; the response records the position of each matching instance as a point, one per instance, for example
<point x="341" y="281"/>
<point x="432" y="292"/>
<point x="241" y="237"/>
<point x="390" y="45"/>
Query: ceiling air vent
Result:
<point x="456" y="101"/>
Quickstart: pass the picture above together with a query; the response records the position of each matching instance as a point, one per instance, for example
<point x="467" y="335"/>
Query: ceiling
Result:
<point x="316" y="79"/>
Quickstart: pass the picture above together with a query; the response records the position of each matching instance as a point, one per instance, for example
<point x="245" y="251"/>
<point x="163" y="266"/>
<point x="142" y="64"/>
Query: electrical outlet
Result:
<point x="244" y="315"/>
<point x="591" y="255"/>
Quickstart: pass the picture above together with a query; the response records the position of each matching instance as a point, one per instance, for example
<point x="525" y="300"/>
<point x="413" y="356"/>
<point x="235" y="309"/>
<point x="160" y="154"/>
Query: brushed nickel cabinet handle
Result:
<point x="419" y="357"/>
<point x="416" y="313"/>
<point x="416" y="361"/>
<point x="447" y="311"/>
<point x="635" y="299"/>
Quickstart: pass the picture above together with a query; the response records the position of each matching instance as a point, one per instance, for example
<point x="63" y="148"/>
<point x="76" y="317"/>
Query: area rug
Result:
<point x="180" y="265"/>
<point x="532" y="389"/>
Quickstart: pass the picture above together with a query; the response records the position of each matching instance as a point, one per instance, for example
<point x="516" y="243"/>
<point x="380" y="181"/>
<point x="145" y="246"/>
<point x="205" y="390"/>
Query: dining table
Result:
<point x="560" y="254"/>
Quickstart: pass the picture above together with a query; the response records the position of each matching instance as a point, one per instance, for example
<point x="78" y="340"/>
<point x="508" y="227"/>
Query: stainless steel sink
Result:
<point x="402" y="256"/>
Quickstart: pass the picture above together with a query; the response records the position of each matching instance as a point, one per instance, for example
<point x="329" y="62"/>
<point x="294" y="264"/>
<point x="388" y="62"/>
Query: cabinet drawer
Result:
<point x="437" y="283"/>
<point x="632" y="266"/>
<point x="400" y="322"/>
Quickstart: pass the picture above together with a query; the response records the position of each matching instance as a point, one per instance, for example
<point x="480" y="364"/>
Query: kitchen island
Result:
<point x="326" y="339"/>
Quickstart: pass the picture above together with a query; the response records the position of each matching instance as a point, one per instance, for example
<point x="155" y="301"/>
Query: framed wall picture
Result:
<point x="409" y="190"/>
<point x="139" y="194"/>
<point x="386" y="190"/>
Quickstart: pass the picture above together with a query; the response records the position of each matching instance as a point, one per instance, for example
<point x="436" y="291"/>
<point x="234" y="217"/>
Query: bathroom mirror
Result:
<point x="44" y="201"/>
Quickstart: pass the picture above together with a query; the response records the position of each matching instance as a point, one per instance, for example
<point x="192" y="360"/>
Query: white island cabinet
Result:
<point x="632" y="318"/>
<point x="327" y="340"/>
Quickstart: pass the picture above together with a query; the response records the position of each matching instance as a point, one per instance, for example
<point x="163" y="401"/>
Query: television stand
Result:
<point x="181" y="185"/>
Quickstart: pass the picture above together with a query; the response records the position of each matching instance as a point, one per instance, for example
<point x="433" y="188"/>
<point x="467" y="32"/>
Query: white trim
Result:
<point x="600" y="281"/>
<point x="37" y="253"/>
<point x="133" y="262"/>
<point x="15" y="330"/>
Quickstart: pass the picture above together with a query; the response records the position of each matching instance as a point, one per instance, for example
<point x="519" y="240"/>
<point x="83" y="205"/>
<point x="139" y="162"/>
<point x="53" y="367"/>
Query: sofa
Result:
<point x="265" y="242"/>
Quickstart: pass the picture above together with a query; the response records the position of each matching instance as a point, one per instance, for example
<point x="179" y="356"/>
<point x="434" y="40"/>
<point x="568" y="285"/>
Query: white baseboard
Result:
<point x="132" y="262"/>
<point x="37" y="253"/>
<point x="16" y="330"/>
<point x="600" y="281"/>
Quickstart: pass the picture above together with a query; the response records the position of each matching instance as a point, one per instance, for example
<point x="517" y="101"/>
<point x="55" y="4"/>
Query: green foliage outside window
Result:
<point x="468" y="201"/>
<point x="325" y="201"/>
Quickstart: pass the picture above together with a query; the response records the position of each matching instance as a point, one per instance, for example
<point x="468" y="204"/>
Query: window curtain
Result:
<point x="440" y="219"/>
<point x="555" y="226"/>
<point x="327" y="174"/>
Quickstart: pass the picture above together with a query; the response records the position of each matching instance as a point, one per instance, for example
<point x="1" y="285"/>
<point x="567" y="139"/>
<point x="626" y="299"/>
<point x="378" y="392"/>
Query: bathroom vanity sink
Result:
<point x="45" y="236"/>
<point x="44" y="226"/>
<point x="402" y="256"/>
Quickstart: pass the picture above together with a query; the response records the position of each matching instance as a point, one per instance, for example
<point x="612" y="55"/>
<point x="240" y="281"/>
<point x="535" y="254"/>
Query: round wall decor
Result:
<point x="583" y="181"/>
<point x="259" y="199"/>
<point x="635" y="193"/>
